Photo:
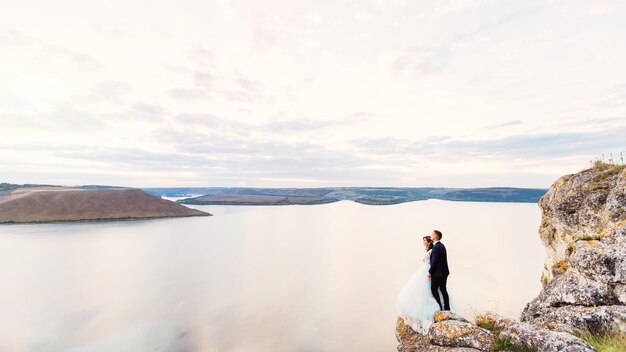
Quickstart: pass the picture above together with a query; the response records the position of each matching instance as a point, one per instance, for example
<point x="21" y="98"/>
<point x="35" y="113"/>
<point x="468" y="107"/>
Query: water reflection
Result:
<point x="295" y="278"/>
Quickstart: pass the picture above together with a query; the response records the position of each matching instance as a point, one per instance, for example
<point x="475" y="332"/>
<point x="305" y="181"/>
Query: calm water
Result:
<point x="291" y="278"/>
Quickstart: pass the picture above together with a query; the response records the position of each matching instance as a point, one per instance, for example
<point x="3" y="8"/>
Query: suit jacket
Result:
<point x="439" y="261"/>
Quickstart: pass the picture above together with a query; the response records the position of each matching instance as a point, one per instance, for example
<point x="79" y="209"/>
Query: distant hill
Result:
<point x="364" y="195"/>
<point x="51" y="204"/>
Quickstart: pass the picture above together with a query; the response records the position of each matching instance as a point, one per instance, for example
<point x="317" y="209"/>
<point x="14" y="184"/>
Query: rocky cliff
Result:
<point x="583" y="229"/>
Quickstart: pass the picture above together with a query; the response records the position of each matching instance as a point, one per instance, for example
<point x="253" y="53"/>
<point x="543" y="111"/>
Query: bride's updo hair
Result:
<point x="430" y="242"/>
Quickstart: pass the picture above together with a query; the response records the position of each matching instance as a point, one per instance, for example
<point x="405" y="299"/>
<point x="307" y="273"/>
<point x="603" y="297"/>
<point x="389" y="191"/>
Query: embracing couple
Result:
<point x="426" y="291"/>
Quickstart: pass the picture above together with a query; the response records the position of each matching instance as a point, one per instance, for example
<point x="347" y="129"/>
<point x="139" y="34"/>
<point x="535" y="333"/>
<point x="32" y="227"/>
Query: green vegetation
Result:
<point x="10" y="186"/>
<point x="612" y="168"/>
<point x="614" y="343"/>
<point x="606" y="171"/>
<point x="504" y="344"/>
<point x="487" y="326"/>
<point x="589" y="238"/>
<point x="363" y="195"/>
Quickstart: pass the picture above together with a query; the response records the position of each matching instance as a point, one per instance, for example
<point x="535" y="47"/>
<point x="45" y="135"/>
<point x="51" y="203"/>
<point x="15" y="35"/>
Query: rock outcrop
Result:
<point x="452" y="330"/>
<point x="584" y="230"/>
<point x="490" y="332"/>
<point x="584" y="280"/>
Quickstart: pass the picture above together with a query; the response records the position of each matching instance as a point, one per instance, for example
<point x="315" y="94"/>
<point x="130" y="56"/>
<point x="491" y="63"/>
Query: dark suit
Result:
<point x="439" y="274"/>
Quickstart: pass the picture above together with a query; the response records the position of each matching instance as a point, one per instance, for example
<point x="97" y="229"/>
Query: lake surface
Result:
<point x="275" y="278"/>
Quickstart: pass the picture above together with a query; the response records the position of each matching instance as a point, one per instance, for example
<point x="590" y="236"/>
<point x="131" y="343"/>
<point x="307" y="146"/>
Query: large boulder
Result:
<point x="454" y="333"/>
<point x="491" y="332"/>
<point x="448" y="315"/>
<point x="412" y="341"/>
<point x="601" y="320"/>
<point x="584" y="205"/>
<point x="409" y="340"/>
<point x="524" y="335"/>
<point x="493" y="322"/>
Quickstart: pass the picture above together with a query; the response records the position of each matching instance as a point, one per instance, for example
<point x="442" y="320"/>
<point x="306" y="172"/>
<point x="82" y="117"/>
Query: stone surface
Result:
<point x="600" y="320"/>
<point x="539" y="339"/>
<point x="452" y="333"/>
<point x="448" y="315"/>
<point x="493" y="322"/>
<point x="409" y="340"/>
<point x="589" y="203"/>
<point x="584" y="230"/>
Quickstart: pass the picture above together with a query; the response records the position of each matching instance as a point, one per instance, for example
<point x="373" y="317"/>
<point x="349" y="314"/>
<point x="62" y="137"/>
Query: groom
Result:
<point x="438" y="273"/>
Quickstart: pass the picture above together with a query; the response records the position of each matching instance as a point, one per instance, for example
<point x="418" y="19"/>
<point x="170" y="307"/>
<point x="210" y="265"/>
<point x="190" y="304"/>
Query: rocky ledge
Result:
<point x="583" y="229"/>
<point x="489" y="332"/>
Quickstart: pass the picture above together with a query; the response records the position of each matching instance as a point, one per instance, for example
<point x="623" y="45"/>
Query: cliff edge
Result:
<point x="583" y="229"/>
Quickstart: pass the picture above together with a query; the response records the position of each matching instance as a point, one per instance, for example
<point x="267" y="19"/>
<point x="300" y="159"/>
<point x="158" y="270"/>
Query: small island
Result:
<point x="43" y="203"/>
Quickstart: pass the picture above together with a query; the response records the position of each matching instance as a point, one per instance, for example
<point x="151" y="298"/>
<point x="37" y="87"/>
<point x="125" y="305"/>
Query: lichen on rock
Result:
<point x="455" y="333"/>
<point x="584" y="230"/>
<point x="493" y="322"/>
<point x="448" y="315"/>
<point x="541" y="339"/>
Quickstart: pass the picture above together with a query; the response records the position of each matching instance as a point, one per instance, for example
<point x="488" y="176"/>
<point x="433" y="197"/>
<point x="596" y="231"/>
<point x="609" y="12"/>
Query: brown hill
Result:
<point x="51" y="204"/>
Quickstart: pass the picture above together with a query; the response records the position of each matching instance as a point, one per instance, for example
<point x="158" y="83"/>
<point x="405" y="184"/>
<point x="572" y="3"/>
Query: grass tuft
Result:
<point x="504" y="344"/>
<point x="613" y="168"/>
<point x="615" y="343"/>
<point x="589" y="238"/>
<point x="487" y="326"/>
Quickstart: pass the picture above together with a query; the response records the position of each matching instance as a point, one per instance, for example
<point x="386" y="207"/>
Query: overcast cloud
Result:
<point x="462" y="93"/>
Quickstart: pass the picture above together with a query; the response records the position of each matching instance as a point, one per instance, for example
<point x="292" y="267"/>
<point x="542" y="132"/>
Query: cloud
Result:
<point x="202" y="56"/>
<point x="110" y="91"/>
<point x="613" y="96"/>
<point x="59" y="121"/>
<point x="302" y="125"/>
<point x="505" y="124"/>
<point x="274" y="127"/>
<point x="212" y="86"/>
<point x="546" y="145"/>
<point x="203" y="80"/>
<point x="147" y="111"/>
<point x="537" y="147"/>
<point x="423" y="58"/>
<point x="210" y="121"/>
<point x="460" y="89"/>
<point x="38" y="52"/>
<point x="187" y="94"/>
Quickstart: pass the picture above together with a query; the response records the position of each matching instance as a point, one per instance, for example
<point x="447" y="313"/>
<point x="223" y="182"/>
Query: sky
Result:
<point x="274" y="93"/>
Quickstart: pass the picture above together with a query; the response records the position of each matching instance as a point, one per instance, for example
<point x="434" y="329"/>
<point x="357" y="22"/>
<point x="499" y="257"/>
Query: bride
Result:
<point x="416" y="304"/>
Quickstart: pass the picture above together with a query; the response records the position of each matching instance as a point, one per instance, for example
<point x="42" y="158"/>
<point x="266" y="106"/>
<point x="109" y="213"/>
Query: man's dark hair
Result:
<point x="439" y="234"/>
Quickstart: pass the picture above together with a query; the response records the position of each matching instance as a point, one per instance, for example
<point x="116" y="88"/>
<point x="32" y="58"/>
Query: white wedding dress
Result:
<point x="416" y="303"/>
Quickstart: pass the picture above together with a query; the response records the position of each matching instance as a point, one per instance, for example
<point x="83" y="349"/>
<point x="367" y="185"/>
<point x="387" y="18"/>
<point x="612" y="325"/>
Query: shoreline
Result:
<point x="354" y="201"/>
<point x="101" y="220"/>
